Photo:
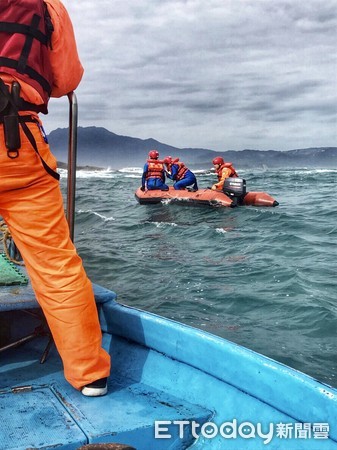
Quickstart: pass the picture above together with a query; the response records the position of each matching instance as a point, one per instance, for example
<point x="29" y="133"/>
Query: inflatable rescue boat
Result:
<point x="234" y="194"/>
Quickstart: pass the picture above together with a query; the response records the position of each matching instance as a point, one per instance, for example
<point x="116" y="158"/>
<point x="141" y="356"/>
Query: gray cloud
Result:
<point x="221" y="74"/>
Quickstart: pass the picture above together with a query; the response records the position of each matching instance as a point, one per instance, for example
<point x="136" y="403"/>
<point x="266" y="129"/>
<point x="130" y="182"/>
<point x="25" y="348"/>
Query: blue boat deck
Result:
<point x="39" y="409"/>
<point x="162" y="371"/>
<point x="46" y="412"/>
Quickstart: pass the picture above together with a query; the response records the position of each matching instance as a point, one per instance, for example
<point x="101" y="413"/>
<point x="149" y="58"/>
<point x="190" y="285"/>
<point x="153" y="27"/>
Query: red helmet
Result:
<point x="167" y="160"/>
<point x="218" y="160"/>
<point x="153" y="154"/>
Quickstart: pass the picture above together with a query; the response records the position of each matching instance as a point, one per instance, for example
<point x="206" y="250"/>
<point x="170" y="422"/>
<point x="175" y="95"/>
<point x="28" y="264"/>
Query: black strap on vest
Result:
<point x="11" y="28"/>
<point x="49" y="25"/>
<point x="30" y="32"/>
<point x="13" y="152"/>
<point x="28" y="44"/>
<point x="12" y="64"/>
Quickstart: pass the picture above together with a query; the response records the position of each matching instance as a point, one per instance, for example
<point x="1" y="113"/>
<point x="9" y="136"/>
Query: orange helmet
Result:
<point x="218" y="160"/>
<point x="167" y="160"/>
<point x="153" y="154"/>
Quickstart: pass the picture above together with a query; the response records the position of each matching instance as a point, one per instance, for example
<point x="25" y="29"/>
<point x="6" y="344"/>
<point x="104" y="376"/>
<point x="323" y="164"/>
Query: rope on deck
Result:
<point x="9" y="246"/>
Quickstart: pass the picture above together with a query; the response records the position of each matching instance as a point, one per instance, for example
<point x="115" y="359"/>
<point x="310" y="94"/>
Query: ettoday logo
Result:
<point x="245" y="430"/>
<point x="209" y="430"/>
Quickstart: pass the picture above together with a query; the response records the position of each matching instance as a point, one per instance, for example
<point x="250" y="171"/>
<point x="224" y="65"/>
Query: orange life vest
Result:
<point x="226" y="165"/>
<point x="155" y="169"/>
<point x="25" y="32"/>
<point x="181" y="170"/>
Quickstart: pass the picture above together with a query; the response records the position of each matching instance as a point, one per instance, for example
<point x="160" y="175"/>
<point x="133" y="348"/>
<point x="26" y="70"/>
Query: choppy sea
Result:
<point x="265" y="278"/>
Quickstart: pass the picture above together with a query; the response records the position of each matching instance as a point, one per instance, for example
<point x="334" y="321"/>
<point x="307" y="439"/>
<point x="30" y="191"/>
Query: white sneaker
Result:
<point x="96" y="389"/>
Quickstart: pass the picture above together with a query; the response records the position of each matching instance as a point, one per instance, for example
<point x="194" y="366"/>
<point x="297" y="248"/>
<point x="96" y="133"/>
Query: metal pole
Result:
<point x="72" y="156"/>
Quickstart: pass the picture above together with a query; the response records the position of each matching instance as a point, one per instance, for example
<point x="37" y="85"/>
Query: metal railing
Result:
<point x="72" y="159"/>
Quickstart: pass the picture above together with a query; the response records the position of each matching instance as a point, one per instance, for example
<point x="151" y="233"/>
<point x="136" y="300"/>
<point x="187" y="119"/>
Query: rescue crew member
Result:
<point x="178" y="172"/>
<point x="39" y="60"/>
<point x="153" y="173"/>
<point x="223" y="170"/>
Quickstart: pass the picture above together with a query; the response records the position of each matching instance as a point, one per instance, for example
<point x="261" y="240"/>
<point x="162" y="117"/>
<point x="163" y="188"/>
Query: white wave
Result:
<point x="294" y="171"/>
<point x="101" y="216"/>
<point x="127" y="172"/>
<point x="220" y="230"/>
<point x="137" y="170"/>
<point x="313" y="171"/>
<point x="92" y="173"/>
<point x="132" y="176"/>
<point x="95" y="174"/>
<point x="163" y="224"/>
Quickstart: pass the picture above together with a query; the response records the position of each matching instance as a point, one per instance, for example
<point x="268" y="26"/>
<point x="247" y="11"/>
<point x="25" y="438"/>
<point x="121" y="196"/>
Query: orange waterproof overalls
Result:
<point x="32" y="206"/>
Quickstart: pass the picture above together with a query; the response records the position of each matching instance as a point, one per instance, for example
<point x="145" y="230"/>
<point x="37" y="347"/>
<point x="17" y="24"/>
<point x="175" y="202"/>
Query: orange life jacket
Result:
<point x="227" y="165"/>
<point x="181" y="170"/>
<point x="25" y="32"/>
<point x="155" y="169"/>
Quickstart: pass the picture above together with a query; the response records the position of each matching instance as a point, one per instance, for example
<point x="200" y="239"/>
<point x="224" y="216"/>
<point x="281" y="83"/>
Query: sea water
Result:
<point x="262" y="277"/>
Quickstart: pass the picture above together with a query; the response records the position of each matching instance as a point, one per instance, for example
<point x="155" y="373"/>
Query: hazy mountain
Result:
<point x="98" y="147"/>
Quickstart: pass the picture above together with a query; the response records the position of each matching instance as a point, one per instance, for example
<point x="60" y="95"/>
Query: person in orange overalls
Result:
<point x="30" y="197"/>
<point x="223" y="170"/>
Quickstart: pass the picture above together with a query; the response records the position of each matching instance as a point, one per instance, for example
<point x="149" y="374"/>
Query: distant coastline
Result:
<point x="64" y="165"/>
<point x="99" y="149"/>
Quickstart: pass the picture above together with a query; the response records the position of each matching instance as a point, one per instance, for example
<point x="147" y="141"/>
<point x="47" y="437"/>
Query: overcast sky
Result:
<point x="216" y="74"/>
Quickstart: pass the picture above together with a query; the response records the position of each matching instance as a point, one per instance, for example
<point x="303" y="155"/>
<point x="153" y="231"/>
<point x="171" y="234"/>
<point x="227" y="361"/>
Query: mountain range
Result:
<point x="97" y="147"/>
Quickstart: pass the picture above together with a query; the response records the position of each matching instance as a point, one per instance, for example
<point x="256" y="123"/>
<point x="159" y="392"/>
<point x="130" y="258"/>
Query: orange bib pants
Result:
<point x="31" y="204"/>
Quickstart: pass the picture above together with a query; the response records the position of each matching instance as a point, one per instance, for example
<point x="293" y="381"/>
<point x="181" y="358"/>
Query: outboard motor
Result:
<point x="235" y="189"/>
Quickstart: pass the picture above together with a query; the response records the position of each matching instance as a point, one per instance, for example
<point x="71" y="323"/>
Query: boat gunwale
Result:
<point x="262" y="378"/>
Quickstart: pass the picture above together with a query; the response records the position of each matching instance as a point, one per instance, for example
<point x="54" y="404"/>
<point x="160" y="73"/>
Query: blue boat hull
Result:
<point x="171" y="387"/>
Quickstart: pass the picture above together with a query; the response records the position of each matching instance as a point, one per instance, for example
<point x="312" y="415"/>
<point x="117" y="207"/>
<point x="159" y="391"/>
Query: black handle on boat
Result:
<point x="72" y="156"/>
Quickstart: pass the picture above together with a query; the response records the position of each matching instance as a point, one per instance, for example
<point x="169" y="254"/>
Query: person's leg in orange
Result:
<point x="31" y="204"/>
